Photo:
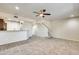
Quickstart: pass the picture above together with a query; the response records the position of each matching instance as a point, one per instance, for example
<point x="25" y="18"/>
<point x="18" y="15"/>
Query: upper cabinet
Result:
<point x="3" y="25"/>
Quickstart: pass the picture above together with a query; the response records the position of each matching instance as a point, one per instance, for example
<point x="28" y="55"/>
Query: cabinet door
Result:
<point x="2" y="24"/>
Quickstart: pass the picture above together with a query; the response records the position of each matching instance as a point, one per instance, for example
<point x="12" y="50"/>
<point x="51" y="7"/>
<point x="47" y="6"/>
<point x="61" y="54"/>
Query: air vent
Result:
<point x="15" y="16"/>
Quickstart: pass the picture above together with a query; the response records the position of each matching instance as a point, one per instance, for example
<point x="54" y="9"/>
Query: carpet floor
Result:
<point x="41" y="46"/>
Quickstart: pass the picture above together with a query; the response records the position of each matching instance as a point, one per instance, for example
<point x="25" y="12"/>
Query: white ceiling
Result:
<point x="58" y="10"/>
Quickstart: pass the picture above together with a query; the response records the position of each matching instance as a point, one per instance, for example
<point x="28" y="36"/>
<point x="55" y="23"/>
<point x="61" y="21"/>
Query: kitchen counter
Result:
<point x="12" y="36"/>
<point x="12" y="30"/>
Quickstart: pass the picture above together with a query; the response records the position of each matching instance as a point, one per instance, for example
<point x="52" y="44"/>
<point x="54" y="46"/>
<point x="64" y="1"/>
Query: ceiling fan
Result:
<point x="41" y="13"/>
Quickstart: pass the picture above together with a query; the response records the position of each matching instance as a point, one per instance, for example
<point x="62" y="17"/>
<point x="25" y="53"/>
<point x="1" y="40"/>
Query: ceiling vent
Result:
<point x="15" y="16"/>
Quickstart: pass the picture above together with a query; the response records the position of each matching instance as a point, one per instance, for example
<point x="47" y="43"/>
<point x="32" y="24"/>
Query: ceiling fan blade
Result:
<point x="36" y="12"/>
<point x="41" y="11"/>
<point x="37" y="15"/>
<point x="47" y="14"/>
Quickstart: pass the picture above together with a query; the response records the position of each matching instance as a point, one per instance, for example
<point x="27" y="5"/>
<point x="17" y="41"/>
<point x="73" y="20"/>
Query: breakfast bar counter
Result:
<point x="12" y="36"/>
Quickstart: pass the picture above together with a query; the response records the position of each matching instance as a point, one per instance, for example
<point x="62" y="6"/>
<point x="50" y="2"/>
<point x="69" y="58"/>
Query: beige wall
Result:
<point x="65" y="29"/>
<point x="40" y="30"/>
<point x="27" y="25"/>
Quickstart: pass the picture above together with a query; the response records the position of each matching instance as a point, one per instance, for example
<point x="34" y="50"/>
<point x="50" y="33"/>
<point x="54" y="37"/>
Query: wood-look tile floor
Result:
<point x="41" y="46"/>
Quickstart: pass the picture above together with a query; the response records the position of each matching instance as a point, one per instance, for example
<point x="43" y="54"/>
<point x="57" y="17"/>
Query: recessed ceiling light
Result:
<point x="17" y="8"/>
